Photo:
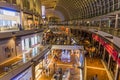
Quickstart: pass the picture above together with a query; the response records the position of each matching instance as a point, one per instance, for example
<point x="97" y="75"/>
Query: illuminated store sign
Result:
<point x="107" y="46"/>
<point x="9" y="18"/>
<point x="8" y="12"/>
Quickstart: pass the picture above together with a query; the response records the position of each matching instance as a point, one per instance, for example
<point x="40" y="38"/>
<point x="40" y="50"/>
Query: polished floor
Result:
<point x="74" y="71"/>
<point x="94" y="66"/>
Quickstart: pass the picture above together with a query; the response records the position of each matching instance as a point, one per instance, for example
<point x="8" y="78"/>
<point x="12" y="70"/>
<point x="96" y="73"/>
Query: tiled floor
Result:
<point x="93" y="67"/>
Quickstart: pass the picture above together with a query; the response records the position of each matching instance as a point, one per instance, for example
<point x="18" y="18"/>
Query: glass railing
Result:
<point x="112" y="31"/>
<point x="11" y="29"/>
<point x="7" y="29"/>
<point x="17" y="64"/>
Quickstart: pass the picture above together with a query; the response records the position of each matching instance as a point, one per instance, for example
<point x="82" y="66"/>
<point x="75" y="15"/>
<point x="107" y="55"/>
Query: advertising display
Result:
<point x="9" y="19"/>
<point x="25" y="75"/>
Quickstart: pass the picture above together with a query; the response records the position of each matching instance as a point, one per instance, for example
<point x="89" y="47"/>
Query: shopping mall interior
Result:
<point x="59" y="40"/>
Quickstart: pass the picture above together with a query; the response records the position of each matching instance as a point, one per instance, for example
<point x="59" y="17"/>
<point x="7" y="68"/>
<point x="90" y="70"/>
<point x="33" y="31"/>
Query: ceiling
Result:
<point x="49" y="3"/>
<point x="82" y="9"/>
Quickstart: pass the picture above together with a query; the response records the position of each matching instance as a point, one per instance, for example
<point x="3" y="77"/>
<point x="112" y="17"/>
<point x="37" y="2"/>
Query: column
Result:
<point x="99" y="47"/>
<point x="109" y="22"/>
<point x="22" y="19"/>
<point x="34" y="20"/>
<point x="93" y="42"/>
<point x="116" y="21"/>
<point x="103" y="54"/>
<point x="117" y="73"/>
<point x="109" y="61"/>
<point x="33" y="71"/>
<point x="100" y="24"/>
<point x="14" y="38"/>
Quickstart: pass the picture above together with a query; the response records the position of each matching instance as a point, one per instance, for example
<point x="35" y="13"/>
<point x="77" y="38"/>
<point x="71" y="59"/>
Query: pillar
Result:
<point x="103" y="54"/>
<point x="99" y="47"/>
<point x="33" y="71"/>
<point x="109" y="22"/>
<point x="116" y="21"/>
<point x="22" y="19"/>
<point x="100" y="24"/>
<point x="42" y="63"/>
<point x="117" y="73"/>
<point x="109" y="61"/>
<point x="93" y="42"/>
<point x="34" y="20"/>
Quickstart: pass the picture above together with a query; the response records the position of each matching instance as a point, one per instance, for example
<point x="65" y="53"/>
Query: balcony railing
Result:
<point x="112" y="31"/>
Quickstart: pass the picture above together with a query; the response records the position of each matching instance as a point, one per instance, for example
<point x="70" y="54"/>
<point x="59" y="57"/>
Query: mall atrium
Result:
<point x="59" y="40"/>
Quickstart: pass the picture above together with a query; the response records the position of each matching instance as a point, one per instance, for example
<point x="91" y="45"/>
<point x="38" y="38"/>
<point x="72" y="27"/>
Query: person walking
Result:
<point x="95" y="77"/>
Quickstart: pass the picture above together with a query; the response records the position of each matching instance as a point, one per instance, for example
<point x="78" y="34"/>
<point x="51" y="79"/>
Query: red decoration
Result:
<point x="108" y="47"/>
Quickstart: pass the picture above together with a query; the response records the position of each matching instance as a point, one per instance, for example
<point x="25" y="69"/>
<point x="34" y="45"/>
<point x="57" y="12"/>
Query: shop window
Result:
<point x="113" y="65"/>
<point x="101" y="49"/>
<point x="106" y="57"/>
<point x="27" y="43"/>
<point x="119" y="75"/>
<point x="14" y="1"/>
<point x="26" y="4"/>
<point x="1" y="23"/>
<point x="23" y="44"/>
<point x="7" y="1"/>
<point x="30" y="43"/>
<point x="1" y="11"/>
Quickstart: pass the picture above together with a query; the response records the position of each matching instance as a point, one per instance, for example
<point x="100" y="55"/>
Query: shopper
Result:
<point x="95" y="77"/>
<point x="47" y="73"/>
<point x="54" y="65"/>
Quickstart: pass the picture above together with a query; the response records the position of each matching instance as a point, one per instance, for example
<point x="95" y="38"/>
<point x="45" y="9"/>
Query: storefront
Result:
<point x="113" y="67"/>
<point x="39" y="38"/>
<point x="29" y="46"/>
<point x="7" y="48"/>
<point x="106" y="57"/>
<point x="9" y="19"/>
<point x="24" y="75"/>
<point x="119" y="75"/>
<point x="28" y="21"/>
<point x="47" y="60"/>
<point x="36" y="22"/>
<point x="110" y="55"/>
<point x="38" y="70"/>
<point x="42" y="65"/>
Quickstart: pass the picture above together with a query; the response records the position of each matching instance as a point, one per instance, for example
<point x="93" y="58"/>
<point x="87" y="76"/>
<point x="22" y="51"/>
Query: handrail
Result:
<point x="20" y="62"/>
<point x="112" y="31"/>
